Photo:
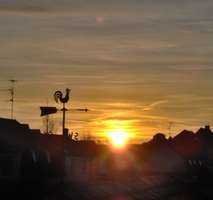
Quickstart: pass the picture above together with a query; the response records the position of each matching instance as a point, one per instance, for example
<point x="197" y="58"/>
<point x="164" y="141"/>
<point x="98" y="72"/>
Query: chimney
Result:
<point x="207" y="127"/>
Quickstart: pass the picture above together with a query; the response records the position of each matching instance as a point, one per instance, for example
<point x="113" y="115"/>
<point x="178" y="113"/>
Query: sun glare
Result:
<point x="118" y="138"/>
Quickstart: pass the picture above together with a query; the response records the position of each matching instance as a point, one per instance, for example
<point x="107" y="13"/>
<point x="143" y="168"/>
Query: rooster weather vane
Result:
<point x="60" y="98"/>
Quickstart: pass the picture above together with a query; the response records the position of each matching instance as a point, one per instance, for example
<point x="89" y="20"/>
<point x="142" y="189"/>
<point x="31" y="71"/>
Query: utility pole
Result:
<point x="12" y="93"/>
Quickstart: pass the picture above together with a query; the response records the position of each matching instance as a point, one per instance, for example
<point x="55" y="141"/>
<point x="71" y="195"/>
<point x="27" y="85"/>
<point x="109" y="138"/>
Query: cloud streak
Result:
<point x="154" y="105"/>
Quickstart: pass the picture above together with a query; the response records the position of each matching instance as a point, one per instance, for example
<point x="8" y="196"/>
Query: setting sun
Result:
<point x="118" y="138"/>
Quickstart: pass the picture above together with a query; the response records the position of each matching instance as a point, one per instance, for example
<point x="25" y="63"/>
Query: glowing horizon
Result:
<point x="118" y="138"/>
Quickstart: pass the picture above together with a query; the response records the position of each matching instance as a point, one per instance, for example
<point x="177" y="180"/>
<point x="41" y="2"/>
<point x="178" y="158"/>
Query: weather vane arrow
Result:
<point x="46" y="110"/>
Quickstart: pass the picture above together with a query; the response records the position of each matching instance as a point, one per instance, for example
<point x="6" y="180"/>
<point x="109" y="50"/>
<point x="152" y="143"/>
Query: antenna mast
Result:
<point x="12" y="93"/>
<point x="170" y="128"/>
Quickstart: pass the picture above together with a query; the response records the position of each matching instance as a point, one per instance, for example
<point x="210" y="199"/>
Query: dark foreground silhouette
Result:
<point x="38" y="166"/>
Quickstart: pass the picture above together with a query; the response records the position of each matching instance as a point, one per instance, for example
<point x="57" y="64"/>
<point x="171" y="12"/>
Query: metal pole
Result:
<point x="63" y="143"/>
<point x="170" y="128"/>
<point x="47" y="124"/>
<point x="63" y="122"/>
<point x="47" y="121"/>
<point x="12" y="101"/>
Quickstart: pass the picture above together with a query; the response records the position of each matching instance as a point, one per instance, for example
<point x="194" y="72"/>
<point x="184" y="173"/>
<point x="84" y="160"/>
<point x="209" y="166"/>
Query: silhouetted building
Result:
<point x="28" y="154"/>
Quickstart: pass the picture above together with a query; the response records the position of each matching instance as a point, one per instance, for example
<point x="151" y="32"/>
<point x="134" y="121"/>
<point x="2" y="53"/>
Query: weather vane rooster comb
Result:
<point x="58" y="96"/>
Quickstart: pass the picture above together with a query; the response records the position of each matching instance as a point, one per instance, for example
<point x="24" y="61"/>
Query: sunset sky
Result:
<point x="137" y="64"/>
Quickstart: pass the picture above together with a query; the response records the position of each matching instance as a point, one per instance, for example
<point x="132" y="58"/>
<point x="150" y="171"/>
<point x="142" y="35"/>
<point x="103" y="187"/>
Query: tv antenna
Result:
<point x="170" y="128"/>
<point x="12" y="99"/>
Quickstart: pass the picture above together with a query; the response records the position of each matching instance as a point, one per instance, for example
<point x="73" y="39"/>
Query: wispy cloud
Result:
<point x="154" y="105"/>
<point x="193" y="68"/>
